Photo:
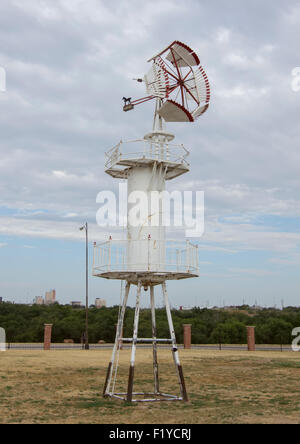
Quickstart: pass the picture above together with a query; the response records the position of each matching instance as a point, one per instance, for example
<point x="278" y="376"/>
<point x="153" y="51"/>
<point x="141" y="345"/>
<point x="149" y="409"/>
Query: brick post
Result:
<point x="251" y="338"/>
<point x="47" y="336"/>
<point x="187" y="335"/>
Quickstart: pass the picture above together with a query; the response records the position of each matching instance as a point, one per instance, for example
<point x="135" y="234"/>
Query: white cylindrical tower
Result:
<point x="145" y="230"/>
<point x="146" y="182"/>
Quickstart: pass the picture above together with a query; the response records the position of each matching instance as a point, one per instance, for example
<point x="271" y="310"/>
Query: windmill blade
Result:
<point x="202" y="84"/>
<point x="183" y="55"/>
<point x="199" y="111"/>
<point x="174" y="112"/>
<point x="183" y="52"/>
<point x="157" y="81"/>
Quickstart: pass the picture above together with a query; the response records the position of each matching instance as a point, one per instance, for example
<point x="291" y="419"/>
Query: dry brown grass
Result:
<point x="224" y="387"/>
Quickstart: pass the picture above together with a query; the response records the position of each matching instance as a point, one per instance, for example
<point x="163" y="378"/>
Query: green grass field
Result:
<point x="223" y="387"/>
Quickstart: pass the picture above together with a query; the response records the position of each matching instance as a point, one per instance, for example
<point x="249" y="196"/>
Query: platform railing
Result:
<point x="137" y="149"/>
<point x="170" y="256"/>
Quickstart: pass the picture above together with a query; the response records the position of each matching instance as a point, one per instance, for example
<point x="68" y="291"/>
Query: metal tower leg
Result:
<point x="154" y="333"/>
<point x="174" y="345"/>
<point x="134" y="341"/>
<point x="109" y="373"/>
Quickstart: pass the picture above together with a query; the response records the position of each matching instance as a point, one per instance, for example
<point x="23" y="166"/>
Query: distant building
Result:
<point x="99" y="303"/>
<point x="258" y="307"/>
<point x="76" y="303"/>
<point x="1" y="300"/>
<point x="38" y="300"/>
<point x="50" y="297"/>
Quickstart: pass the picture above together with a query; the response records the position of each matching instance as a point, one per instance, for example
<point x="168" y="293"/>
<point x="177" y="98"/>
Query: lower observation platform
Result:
<point x="154" y="261"/>
<point x="147" y="278"/>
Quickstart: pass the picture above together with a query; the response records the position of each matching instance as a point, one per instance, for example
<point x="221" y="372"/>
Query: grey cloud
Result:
<point x="70" y="62"/>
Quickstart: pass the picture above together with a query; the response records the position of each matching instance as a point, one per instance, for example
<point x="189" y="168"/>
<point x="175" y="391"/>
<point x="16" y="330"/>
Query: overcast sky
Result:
<point x="69" y="63"/>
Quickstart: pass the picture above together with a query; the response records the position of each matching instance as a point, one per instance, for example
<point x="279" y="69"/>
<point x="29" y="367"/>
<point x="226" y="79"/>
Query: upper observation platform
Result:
<point x="155" y="149"/>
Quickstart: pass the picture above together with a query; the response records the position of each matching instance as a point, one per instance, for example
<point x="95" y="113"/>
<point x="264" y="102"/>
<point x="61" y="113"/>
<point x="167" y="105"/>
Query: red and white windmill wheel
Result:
<point x="179" y="81"/>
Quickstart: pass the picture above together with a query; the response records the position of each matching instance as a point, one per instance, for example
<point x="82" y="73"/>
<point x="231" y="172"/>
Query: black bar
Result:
<point x="184" y="393"/>
<point x="106" y="379"/>
<point x="130" y="384"/>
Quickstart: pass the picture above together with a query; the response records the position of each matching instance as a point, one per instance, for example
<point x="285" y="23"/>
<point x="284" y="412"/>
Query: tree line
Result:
<point x="24" y="323"/>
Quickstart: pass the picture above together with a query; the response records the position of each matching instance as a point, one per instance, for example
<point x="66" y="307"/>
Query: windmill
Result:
<point x="146" y="259"/>
<point x="179" y="81"/>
